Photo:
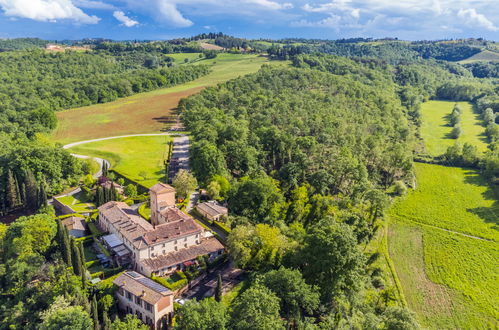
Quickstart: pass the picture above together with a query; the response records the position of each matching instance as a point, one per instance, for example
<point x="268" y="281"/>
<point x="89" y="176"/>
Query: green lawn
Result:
<point x="132" y="155"/>
<point x="450" y="280"/>
<point x="150" y="112"/>
<point x="452" y="198"/>
<point x="435" y="129"/>
<point x="180" y="57"/>
<point x="77" y="202"/>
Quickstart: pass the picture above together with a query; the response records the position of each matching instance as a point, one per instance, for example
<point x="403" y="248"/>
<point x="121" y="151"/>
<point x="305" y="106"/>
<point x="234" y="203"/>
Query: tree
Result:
<point x="213" y="190"/>
<point x="223" y="183"/>
<point x="219" y="289"/>
<point x="89" y="180"/>
<point x="184" y="183"/>
<point x="95" y="313"/>
<point x="106" y="322"/>
<point x="120" y="181"/>
<point x="69" y="318"/>
<point x="398" y="318"/>
<point x="456" y="131"/>
<point x="105" y="168"/>
<point x="130" y="322"/>
<point x="31" y="201"/>
<point x="489" y="116"/>
<point x="100" y="199"/>
<point x="13" y="199"/>
<point x="257" y="247"/>
<point x="296" y="296"/>
<point x="76" y="258"/>
<point x="208" y="314"/>
<point x="256" y="308"/>
<point x="130" y="191"/>
<point x="331" y="259"/>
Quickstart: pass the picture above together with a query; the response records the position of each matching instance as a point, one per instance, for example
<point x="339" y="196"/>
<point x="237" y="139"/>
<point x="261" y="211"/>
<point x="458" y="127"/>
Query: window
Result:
<point x="121" y="292"/>
<point x="185" y="245"/>
<point x="176" y="248"/>
<point x="175" y="241"/>
<point x="148" y="306"/>
<point x="152" y="248"/>
<point x="163" y="244"/>
<point x="138" y="301"/>
<point x="164" y="252"/>
<point x="139" y="315"/>
<point x="185" y="239"/>
<point x="129" y="296"/>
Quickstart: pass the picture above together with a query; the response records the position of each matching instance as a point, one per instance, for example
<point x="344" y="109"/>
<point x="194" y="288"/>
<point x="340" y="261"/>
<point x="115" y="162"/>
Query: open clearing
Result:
<point x="131" y="155"/>
<point x="485" y="55"/>
<point x="435" y="128"/>
<point x="452" y="198"/>
<point x="78" y="202"/>
<point x="152" y="111"/>
<point x="448" y="279"/>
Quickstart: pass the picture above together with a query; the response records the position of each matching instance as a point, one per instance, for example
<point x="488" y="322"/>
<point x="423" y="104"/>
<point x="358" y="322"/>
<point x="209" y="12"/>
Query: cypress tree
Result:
<point x="100" y="196"/>
<point x="66" y="246"/>
<point x="76" y="258"/>
<point x="83" y="278"/>
<point x="12" y="190"/>
<point x="218" y="290"/>
<point x="107" y="198"/>
<point x="106" y="321"/>
<point x="32" y="198"/>
<point x="42" y="195"/>
<point x="95" y="313"/>
<point x="23" y="195"/>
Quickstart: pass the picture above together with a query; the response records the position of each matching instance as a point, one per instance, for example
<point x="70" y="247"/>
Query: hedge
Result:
<point x="172" y="286"/>
<point x="140" y="188"/>
<point x="94" y="230"/>
<point x="222" y="227"/>
<point x="142" y="212"/>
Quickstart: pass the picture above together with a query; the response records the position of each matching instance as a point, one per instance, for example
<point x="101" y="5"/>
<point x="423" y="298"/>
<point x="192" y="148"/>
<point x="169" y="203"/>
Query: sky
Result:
<point x="274" y="19"/>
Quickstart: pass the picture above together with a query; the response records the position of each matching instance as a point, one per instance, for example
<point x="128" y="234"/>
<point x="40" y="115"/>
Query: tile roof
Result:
<point x="126" y="221"/>
<point x="142" y="287"/>
<point x="77" y="223"/>
<point x="172" y="214"/>
<point x="172" y="230"/>
<point x="206" y="246"/>
<point x="212" y="208"/>
<point x="162" y="188"/>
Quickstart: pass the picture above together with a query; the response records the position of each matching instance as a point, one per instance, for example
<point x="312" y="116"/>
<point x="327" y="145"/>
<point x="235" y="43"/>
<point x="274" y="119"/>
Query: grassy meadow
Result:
<point x="78" y="202"/>
<point x="452" y="198"/>
<point x="485" y="55"/>
<point x="131" y="156"/>
<point x="151" y="111"/>
<point x="435" y="128"/>
<point x="449" y="279"/>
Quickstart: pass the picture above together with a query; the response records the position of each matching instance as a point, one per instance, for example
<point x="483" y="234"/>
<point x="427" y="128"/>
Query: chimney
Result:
<point x="143" y="293"/>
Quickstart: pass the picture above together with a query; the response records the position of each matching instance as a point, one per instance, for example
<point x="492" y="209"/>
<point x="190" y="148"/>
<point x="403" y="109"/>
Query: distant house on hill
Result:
<point x="151" y="302"/>
<point x="212" y="210"/>
<point x="76" y="226"/>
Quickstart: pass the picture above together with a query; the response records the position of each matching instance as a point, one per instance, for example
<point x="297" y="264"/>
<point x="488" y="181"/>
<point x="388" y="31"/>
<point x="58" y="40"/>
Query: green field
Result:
<point x="485" y="55"/>
<point x="449" y="279"/>
<point x="152" y="111"/>
<point x="452" y="198"/>
<point x="130" y="156"/>
<point x="435" y="129"/>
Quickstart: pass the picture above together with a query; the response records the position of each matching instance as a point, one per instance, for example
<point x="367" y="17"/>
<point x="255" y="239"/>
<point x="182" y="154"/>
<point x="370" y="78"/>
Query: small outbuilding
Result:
<point x="212" y="210"/>
<point x="76" y="226"/>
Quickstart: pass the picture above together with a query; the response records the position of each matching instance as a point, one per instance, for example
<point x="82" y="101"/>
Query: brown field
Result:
<point x="154" y="111"/>
<point x="208" y="46"/>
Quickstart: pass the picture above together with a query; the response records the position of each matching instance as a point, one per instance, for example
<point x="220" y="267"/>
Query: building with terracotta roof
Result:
<point x="151" y="302"/>
<point x="161" y="247"/>
<point x="212" y="210"/>
<point x="76" y="226"/>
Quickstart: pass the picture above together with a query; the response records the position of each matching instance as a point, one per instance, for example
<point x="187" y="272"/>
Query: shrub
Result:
<point x="400" y="188"/>
<point x="456" y="132"/>
<point x="378" y="282"/>
<point x="180" y="283"/>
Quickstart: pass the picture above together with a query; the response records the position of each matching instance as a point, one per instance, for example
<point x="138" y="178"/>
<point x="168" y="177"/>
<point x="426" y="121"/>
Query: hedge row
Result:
<point x="172" y="286"/>
<point x="222" y="227"/>
<point x="141" y="189"/>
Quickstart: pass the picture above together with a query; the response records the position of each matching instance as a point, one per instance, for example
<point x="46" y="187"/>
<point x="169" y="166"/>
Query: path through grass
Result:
<point x="435" y="129"/>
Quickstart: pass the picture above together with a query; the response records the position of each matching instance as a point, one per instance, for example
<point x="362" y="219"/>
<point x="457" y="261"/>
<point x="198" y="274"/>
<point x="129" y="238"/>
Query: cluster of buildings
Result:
<point x="170" y="242"/>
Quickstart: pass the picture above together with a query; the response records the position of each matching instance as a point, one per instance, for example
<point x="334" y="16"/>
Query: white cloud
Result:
<point x="46" y="10"/>
<point x="472" y="18"/>
<point x="125" y="20"/>
<point x="271" y="4"/>
<point x="90" y="4"/>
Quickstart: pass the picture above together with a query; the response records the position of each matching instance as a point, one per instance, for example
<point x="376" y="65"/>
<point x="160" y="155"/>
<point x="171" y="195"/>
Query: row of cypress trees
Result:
<point x="23" y="193"/>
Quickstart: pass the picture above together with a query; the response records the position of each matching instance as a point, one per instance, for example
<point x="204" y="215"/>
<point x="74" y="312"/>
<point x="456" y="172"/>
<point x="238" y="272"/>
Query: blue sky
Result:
<point x="325" y="19"/>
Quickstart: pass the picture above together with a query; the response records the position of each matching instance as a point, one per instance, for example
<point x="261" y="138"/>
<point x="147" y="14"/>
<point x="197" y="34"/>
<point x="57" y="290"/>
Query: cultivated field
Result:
<point x="435" y="128"/>
<point x="449" y="279"/>
<point x="452" y="198"/>
<point x="152" y="111"/>
<point x="130" y="156"/>
<point x="485" y="55"/>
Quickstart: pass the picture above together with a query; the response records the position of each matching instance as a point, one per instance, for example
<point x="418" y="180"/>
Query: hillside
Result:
<point x="485" y="55"/>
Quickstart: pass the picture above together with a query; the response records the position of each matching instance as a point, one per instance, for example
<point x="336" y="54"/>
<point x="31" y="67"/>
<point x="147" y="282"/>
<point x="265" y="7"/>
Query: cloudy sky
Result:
<point x="327" y="19"/>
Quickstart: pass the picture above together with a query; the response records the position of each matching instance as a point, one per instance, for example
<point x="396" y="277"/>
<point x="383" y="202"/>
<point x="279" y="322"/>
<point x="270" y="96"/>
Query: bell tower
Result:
<point x="162" y="196"/>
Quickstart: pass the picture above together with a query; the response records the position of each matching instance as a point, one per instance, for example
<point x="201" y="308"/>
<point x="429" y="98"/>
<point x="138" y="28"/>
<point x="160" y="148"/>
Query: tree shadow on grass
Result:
<point x="488" y="214"/>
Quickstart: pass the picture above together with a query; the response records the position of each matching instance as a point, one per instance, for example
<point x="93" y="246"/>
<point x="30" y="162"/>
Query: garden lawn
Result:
<point x="153" y="111"/>
<point x="132" y="155"/>
<point x="435" y="129"/>
<point x="77" y="202"/>
<point x="453" y="198"/>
